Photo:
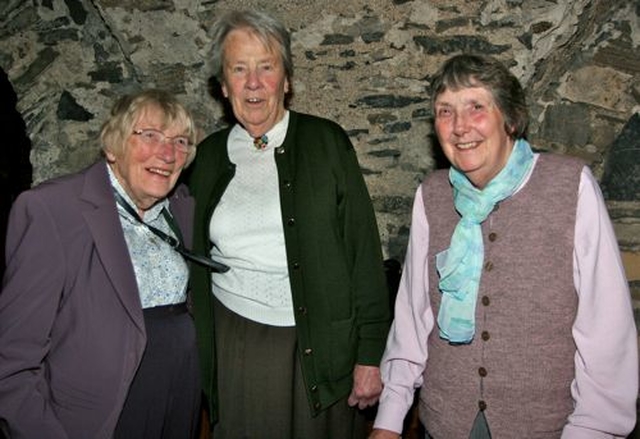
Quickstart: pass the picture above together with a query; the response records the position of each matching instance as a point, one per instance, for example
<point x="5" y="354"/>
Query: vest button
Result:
<point x="482" y="372"/>
<point x="485" y="300"/>
<point x="485" y="335"/>
<point x="493" y="236"/>
<point x="482" y="405"/>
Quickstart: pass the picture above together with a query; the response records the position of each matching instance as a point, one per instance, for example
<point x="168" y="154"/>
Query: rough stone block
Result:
<point x="621" y="179"/>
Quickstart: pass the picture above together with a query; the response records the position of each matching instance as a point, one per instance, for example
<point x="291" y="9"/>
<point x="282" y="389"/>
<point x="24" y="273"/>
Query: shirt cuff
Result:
<point x="390" y="416"/>
<point x="574" y="432"/>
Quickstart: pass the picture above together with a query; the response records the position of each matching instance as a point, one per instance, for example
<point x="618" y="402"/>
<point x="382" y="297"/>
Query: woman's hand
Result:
<point x="367" y="386"/>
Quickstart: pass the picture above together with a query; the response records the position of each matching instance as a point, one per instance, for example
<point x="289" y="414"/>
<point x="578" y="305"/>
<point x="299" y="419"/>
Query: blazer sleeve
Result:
<point x="31" y="292"/>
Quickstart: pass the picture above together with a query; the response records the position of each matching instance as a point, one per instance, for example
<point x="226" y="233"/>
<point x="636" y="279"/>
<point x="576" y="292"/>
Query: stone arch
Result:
<point x="15" y="167"/>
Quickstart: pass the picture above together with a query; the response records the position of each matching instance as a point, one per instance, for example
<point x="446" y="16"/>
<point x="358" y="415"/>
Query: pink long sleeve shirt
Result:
<point x="605" y="386"/>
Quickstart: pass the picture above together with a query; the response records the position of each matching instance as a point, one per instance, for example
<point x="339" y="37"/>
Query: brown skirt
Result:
<point x="261" y="389"/>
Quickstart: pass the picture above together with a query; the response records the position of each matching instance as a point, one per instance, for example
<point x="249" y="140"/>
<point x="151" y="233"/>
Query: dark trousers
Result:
<point x="262" y="394"/>
<point x="164" y="399"/>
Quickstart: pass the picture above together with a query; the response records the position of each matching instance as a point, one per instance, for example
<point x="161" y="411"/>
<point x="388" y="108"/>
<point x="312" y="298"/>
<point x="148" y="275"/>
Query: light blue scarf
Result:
<point x="460" y="266"/>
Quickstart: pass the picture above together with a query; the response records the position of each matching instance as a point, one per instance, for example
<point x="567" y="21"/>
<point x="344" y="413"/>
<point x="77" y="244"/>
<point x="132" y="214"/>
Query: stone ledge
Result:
<point x="631" y="261"/>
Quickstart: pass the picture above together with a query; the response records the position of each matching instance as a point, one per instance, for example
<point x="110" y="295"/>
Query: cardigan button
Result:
<point x="485" y="335"/>
<point x="295" y="266"/>
<point x="287" y="184"/>
<point x="482" y="405"/>
<point x="314" y="388"/>
<point x="493" y="236"/>
<point x="317" y="406"/>
<point x="486" y="301"/>
<point x="482" y="372"/>
<point x="302" y="310"/>
<point x="280" y="150"/>
<point x="308" y="351"/>
<point x="291" y="222"/>
<point x="488" y="265"/>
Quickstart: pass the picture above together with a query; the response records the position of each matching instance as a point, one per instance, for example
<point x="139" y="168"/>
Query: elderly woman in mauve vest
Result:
<point x="514" y="315"/>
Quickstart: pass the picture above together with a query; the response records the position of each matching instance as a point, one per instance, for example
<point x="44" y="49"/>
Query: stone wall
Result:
<point x="365" y="64"/>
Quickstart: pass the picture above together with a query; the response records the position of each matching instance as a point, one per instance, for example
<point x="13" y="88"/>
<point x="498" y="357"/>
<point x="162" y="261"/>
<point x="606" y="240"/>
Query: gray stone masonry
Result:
<point x="366" y="64"/>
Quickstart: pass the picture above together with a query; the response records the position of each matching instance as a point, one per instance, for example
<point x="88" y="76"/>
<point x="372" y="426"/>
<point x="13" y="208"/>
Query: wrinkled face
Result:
<point x="254" y="81"/>
<point x="148" y="169"/>
<point x="471" y="131"/>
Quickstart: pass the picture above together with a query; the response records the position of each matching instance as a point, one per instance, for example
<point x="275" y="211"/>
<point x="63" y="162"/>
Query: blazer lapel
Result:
<point x="103" y="222"/>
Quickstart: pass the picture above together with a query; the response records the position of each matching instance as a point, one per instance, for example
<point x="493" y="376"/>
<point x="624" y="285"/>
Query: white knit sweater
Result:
<point x="246" y="230"/>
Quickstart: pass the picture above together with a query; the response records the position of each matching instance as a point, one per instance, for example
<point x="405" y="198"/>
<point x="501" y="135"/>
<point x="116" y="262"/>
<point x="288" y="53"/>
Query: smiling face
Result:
<point x="471" y="131"/>
<point x="149" y="171"/>
<point x="255" y="81"/>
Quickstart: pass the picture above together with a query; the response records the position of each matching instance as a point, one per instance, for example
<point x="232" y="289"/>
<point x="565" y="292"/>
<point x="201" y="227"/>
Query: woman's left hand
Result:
<point x="367" y="386"/>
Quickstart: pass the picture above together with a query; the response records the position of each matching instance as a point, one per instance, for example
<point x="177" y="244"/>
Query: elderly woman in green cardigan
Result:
<point x="292" y="335"/>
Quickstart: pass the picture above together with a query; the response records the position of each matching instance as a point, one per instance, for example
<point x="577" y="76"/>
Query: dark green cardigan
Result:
<point x="333" y="251"/>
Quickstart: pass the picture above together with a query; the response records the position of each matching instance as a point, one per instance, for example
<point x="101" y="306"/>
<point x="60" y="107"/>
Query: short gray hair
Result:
<point x="266" y="27"/>
<point x="463" y="71"/>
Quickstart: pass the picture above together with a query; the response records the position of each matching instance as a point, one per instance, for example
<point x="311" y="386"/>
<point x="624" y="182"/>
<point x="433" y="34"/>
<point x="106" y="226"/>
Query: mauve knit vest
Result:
<point x="520" y="364"/>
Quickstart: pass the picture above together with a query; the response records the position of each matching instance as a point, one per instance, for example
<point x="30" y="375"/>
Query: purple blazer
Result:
<point x="71" y="325"/>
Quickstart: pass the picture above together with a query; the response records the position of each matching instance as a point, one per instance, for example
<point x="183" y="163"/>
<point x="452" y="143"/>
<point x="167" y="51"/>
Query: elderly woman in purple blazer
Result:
<point x="95" y="337"/>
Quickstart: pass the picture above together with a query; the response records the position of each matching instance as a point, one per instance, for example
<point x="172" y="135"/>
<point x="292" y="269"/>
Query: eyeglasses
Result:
<point x="155" y="137"/>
